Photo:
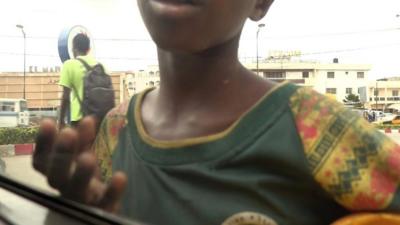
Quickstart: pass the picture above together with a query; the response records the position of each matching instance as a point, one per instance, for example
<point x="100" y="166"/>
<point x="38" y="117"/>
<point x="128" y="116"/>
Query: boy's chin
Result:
<point x="181" y="47"/>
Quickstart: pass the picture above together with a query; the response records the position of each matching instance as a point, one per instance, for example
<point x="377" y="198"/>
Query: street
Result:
<point x="20" y="169"/>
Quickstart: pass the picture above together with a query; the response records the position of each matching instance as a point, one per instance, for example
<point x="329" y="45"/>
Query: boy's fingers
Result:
<point x="44" y="144"/>
<point x="61" y="159"/>
<point x="87" y="133"/>
<point x="111" y="198"/>
<point x="78" y="185"/>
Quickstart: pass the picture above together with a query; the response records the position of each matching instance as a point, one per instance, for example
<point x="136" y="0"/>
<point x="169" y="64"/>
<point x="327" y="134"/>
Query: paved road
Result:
<point x="19" y="168"/>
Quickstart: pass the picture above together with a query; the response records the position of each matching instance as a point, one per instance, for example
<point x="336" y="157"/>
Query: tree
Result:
<point x="353" y="100"/>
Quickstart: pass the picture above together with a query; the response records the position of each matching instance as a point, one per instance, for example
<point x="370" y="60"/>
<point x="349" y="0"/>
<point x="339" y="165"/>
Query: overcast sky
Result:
<point x="355" y="31"/>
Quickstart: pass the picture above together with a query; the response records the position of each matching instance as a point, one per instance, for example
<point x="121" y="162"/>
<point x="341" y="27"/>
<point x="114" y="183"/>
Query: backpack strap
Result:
<point x="87" y="67"/>
<point x="77" y="96"/>
<point x="85" y="64"/>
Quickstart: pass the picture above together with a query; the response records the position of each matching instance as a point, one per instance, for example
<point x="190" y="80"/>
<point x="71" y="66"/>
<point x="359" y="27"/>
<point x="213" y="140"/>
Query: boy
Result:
<point x="216" y="144"/>
<point x="71" y="79"/>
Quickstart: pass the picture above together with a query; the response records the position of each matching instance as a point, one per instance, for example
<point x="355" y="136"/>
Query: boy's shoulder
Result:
<point x="115" y="120"/>
<point x="346" y="155"/>
<point x="318" y="117"/>
<point x="107" y="137"/>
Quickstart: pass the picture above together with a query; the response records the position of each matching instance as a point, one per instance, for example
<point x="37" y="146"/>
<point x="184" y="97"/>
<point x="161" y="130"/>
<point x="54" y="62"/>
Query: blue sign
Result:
<point x="65" y="39"/>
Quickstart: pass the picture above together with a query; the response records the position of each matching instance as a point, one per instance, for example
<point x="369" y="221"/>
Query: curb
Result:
<point x="390" y="131"/>
<point x="16" y="150"/>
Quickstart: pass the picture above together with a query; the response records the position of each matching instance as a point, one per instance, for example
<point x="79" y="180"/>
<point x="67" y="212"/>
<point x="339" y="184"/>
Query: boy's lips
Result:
<point x="176" y="8"/>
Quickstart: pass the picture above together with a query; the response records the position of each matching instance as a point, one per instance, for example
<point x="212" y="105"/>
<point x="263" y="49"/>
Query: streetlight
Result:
<point x="19" y="26"/>
<point x="261" y="25"/>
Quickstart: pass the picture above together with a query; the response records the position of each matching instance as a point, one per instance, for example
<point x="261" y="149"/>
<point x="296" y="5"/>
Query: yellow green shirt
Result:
<point x="72" y="75"/>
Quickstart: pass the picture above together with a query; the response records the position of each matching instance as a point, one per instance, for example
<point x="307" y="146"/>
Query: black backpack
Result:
<point x="98" y="92"/>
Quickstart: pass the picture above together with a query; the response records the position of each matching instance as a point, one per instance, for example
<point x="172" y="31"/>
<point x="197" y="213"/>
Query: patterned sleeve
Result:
<point x="356" y="164"/>
<point x="107" y="138"/>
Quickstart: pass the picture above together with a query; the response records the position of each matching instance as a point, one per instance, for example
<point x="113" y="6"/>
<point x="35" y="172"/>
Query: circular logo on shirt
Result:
<point x="249" y="218"/>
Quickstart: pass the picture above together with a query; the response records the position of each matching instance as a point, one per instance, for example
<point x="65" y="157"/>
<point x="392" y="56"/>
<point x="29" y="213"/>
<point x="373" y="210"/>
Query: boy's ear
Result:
<point x="261" y="8"/>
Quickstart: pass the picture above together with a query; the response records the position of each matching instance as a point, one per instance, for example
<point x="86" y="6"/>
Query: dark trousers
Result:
<point x="75" y="124"/>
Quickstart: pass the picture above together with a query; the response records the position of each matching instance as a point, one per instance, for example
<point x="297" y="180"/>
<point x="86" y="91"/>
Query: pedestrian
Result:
<point x="216" y="144"/>
<point x="365" y="115"/>
<point x="71" y="80"/>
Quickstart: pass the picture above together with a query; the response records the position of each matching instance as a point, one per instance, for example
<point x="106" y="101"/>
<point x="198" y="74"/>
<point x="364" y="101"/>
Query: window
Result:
<point x="349" y="91"/>
<point x="331" y="91"/>
<point x="331" y="75"/>
<point x="376" y="93"/>
<point x="395" y="93"/>
<point x="381" y="99"/>
<point x="360" y="75"/>
<point x="23" y="106"/>
<point x="7" y="106"/>
<point x="277" y="74"/>
<point x="306" y="74"/>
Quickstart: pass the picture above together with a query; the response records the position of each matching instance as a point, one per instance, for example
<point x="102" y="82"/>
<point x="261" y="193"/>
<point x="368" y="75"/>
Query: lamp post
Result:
<point x="24" y="35"/>
<point x="261" y="25"/>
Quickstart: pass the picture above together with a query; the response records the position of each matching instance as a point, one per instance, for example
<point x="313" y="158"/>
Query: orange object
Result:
<point x="370" y="219"/>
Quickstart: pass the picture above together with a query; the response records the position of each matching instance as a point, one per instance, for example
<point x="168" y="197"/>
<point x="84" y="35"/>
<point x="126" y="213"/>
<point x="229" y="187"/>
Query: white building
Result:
<point x="143" y="79"/>
<point x="385" y="94"/>
<point x="334" y="79"/>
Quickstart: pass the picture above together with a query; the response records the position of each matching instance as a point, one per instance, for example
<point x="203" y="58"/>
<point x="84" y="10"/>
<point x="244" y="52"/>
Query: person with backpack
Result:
<point x="87" y="89"/>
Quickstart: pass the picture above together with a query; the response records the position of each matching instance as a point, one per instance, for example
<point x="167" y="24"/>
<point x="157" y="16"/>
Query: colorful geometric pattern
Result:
<point x="356" y="164"/>
<point x="107" y="138"/>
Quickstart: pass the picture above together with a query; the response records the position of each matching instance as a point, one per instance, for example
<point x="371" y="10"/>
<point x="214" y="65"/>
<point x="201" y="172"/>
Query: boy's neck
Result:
<point x="200" y="94"/>
<point x="198" y="73"/>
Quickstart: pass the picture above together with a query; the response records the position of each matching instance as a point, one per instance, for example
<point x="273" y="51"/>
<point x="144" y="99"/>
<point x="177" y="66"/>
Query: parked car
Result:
<point x="393" y="120"/>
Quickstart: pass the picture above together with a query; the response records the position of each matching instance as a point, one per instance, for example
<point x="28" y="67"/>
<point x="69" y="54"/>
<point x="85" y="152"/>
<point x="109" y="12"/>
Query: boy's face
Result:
<point x="192" y="26"/>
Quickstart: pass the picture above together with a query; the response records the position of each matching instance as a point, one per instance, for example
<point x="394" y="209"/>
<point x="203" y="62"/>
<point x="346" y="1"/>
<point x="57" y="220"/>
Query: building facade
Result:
<point x="143" y="79"/>
<point x="42" y="90"/>
<point x="333" y="79"/>
<point x="384" y="93"/>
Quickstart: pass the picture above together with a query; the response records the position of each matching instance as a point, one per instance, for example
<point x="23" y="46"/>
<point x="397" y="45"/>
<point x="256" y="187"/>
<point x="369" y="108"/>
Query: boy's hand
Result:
<point x="68" y="162"/>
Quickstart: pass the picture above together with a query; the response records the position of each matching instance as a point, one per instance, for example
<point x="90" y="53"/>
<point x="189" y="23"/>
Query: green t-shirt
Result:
<point x="297" y="157"/>
<point x="72" y="74"/>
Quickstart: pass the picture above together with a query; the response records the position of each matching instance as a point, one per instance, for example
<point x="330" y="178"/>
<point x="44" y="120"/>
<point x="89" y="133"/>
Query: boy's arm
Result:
<point x="107" y="138"/>
<point x="355" y="163"/>
<point x="65" y="83"/>
<point x="65" y="104"/>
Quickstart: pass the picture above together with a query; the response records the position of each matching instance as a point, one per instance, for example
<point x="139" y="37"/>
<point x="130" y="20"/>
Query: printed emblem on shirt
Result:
<point x="249" y="218"/>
